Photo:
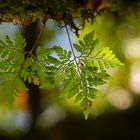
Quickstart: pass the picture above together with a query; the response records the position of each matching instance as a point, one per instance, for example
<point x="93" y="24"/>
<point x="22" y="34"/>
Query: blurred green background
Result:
<point x="115" y="112"/>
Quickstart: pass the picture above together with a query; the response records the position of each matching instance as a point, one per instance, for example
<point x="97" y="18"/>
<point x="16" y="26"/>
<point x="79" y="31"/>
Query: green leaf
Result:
<point x="80" y="78"/>
<point x="52" y="60"/>
<point x="19" y="41"/>
<point x="69" y="54"/>
<point x="81" y="43"/>
<point x="2" y="44"/>
<point x="78" y="97"/>
<point x="86" y="114"/>
<point x="29" y="79"/>
<point x="83" y="103"/>
<point x="25" y="77"/>
<point x="77" y="47"/>
<point x="88" y="39"/>
<point x="105" y="59"/>
<point x="4" y="53"/>
<point x="9" y="42"/>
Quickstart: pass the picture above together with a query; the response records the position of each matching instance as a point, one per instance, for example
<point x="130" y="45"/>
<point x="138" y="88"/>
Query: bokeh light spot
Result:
<point x="120" y="98"/>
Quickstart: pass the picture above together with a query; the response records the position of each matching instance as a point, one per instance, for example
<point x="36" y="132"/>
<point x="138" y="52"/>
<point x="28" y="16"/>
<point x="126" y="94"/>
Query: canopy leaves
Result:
<point x="77" y="76"/>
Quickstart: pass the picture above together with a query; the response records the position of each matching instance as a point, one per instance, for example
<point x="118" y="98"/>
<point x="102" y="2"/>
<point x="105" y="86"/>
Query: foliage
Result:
<point x="26" y="12"/>
<point x="11" y="64"/>
<point x="77" y="72"/>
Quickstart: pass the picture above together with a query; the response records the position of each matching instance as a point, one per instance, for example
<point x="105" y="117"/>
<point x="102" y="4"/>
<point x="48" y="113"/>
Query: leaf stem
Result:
<point x="72" y="50"/>
<point x="75" y="59"/>
<point x="38" y="38"/>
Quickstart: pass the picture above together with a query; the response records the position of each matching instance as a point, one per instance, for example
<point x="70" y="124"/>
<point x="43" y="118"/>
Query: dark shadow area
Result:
<point x="121" y="126"/>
